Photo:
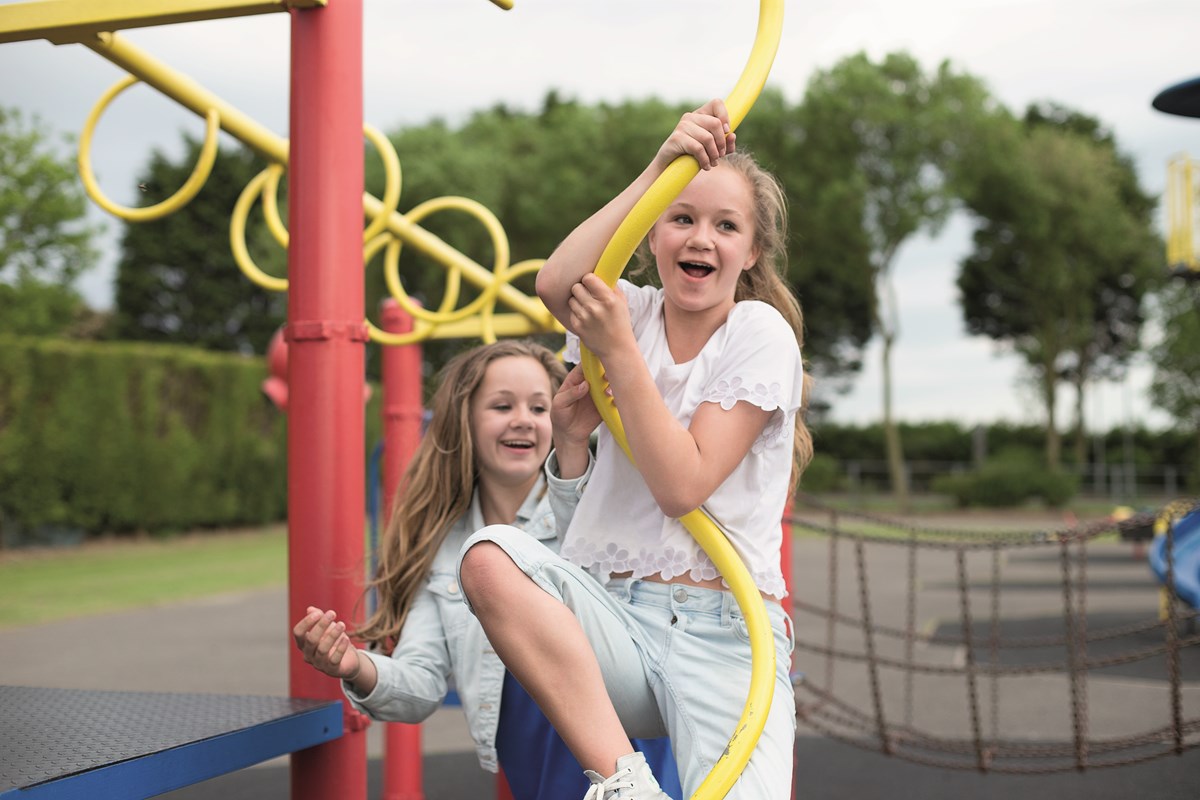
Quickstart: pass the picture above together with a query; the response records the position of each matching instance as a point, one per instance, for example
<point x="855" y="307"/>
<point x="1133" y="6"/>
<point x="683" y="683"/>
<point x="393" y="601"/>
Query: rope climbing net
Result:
<point x="999" y="651"/>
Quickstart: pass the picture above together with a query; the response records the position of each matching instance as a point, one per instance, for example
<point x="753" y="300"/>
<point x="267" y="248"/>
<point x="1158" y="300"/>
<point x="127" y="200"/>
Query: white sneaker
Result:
<point x="633" y="780"/>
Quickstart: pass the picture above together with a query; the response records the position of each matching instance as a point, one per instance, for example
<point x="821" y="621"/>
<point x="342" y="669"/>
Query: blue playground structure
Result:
<point x="1184" y="534"/>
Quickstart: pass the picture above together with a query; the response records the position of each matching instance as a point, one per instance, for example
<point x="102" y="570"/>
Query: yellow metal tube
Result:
<point x="703" y="528"/>
<point x="64" y="21"/>
<point x="274" y="148"/>
<point x="1183" y="213"/>
<point x="189" y="94"/>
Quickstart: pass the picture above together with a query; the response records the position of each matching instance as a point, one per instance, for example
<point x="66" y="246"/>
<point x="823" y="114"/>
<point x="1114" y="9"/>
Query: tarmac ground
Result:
<point x="238" y="644"/>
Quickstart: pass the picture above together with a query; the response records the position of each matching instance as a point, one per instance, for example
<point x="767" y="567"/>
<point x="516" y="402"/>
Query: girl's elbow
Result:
<point x="677" y="504"/>
<point x="545" y="285"/>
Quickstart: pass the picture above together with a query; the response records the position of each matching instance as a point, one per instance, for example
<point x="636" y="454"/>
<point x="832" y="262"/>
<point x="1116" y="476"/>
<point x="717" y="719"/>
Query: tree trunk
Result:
<point x="1049" y="397"/>
<point x="1079" y="445"/>
<point x="895" y="450"/>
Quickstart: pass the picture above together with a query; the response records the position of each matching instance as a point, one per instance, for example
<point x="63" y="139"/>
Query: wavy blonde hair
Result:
<point x="437" y="486"/>
<point x="766" y="280"/>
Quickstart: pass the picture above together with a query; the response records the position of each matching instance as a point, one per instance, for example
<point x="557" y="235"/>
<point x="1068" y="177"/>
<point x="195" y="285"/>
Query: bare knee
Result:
<point x="487" y="574"/>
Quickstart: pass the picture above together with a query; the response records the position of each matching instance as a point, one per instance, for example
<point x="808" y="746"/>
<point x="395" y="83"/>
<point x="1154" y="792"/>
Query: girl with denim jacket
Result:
<point x="480" y="463"/>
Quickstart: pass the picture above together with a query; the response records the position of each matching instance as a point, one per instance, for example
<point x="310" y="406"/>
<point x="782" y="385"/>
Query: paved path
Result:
<point x="238" y="644"/>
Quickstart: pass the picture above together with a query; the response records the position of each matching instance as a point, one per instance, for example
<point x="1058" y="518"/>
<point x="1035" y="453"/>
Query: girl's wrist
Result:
<point x="358" y="667"/>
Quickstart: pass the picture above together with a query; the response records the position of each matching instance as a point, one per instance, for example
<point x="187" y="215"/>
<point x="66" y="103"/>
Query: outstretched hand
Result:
<point x="323" y="641"/>
<point x="703" y="134"/>
<point x="572" y="413"/>
<point x="573" y="416"/>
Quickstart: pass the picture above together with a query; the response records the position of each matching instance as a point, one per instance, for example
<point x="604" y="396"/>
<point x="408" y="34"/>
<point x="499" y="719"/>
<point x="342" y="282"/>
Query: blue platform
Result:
<point x="1185" y="553"/>
<point x="66" y="744"/>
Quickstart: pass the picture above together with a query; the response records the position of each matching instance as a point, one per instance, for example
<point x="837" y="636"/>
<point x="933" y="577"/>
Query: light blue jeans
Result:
<point x="676" y="662"/>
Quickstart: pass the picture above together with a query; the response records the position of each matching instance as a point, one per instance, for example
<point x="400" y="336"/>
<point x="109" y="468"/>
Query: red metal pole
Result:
<point x="326" y="334"/>
<point x="402" y="411"/>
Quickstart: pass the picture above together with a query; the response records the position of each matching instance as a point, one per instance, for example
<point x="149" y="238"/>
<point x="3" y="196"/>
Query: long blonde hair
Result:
<point x="765" y="281"/>
<point x="437" y="486"/>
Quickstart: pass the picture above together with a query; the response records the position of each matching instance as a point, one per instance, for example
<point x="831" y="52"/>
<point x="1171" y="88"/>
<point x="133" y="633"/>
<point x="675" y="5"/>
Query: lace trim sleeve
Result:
<point x="769" y="397"/>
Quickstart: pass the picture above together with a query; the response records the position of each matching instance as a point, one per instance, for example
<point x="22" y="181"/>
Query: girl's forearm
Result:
<point x="577" y="255"/>
<point x="572" y="459"/>
<point x="664" y="450"/>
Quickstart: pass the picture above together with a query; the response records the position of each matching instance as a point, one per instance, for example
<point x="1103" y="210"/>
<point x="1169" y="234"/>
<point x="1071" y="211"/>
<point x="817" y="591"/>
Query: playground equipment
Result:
<point x="327" y="327"/>
<point x="1175" y="556"/>
<point x="65" y="743"/>
<point x="954" y="691"/>
<point x="327" y="331"/>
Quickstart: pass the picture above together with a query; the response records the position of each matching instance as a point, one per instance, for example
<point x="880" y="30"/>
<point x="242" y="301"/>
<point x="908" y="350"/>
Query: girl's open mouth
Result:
<point x="696" y="270"/>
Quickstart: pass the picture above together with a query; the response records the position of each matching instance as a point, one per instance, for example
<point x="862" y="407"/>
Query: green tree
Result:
<point x="886" y="140"/>
<point x="177" y="280"/>
<point x="828" y="250"/>
<point x="542" y="172"/>
<point x="45" y="243"/>
<point x="1104" y="349"/>
<point x="1063" y="258"/>
<point x="1175" y="387"/>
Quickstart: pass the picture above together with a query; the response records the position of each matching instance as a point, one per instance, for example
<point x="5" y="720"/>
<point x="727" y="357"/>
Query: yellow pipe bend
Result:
<point x="391" y="187"/>
<point x="453" y="276"/>
<point x="190" y="188"/>
<point x="237" y="229"/>
<point x="702" y="527"/>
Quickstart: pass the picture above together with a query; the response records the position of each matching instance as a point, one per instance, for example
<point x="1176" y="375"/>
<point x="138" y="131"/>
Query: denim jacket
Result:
<point x="442" y="639"/>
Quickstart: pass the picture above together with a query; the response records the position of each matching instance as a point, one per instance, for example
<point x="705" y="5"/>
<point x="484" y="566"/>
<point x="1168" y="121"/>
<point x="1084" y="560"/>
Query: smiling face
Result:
<point x="704" y="240"/>
<point x="510" y="421"/>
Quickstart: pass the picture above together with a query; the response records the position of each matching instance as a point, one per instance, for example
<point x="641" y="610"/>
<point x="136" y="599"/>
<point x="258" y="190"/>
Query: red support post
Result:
<point x="402" y="412"/>
<point x="326" y="336"/>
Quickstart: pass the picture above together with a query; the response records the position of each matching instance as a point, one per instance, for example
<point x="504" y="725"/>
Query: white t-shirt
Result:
<point x="618" y="527"/>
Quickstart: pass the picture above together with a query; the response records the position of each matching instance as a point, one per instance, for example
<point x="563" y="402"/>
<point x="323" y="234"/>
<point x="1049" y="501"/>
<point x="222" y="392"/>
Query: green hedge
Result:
<point x="1011" y="479"/>
<point x="123" y="437"/>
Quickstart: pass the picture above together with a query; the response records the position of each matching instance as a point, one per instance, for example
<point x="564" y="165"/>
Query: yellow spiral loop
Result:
<point x="391" y="186"/>
<point x="703" y="528"/>
<point x="484" y="304"/>
<point x="265" y="183"/>
<point x="195" y="181"/>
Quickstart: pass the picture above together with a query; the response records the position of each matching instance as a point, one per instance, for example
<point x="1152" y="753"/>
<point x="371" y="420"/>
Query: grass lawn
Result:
<point x="46" y="585"/>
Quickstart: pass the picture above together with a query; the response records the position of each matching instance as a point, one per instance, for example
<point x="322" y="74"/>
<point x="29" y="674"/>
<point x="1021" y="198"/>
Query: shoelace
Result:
<point x="607" y="790"/>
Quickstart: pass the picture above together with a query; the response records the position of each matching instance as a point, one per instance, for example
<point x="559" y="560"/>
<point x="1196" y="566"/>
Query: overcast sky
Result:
<point x="445" y="58"/>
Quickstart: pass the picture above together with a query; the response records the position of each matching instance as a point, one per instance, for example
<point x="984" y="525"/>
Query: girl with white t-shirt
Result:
<point x="631" y="632"/>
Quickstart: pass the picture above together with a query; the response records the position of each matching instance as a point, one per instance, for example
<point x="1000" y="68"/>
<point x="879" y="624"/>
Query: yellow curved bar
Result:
<point x="487" y="327"/>
<point x="391" y="196"/>
<point x="484" y="304"/>
<point x="237" y="230"/>
<point x="612" y="262"/>
<point x="192" y="186"/>
<point x="266" y="184"/>
<point x="453" y="282"/>
<point x="391" y="186"/>
<point x="270" y="206"/>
